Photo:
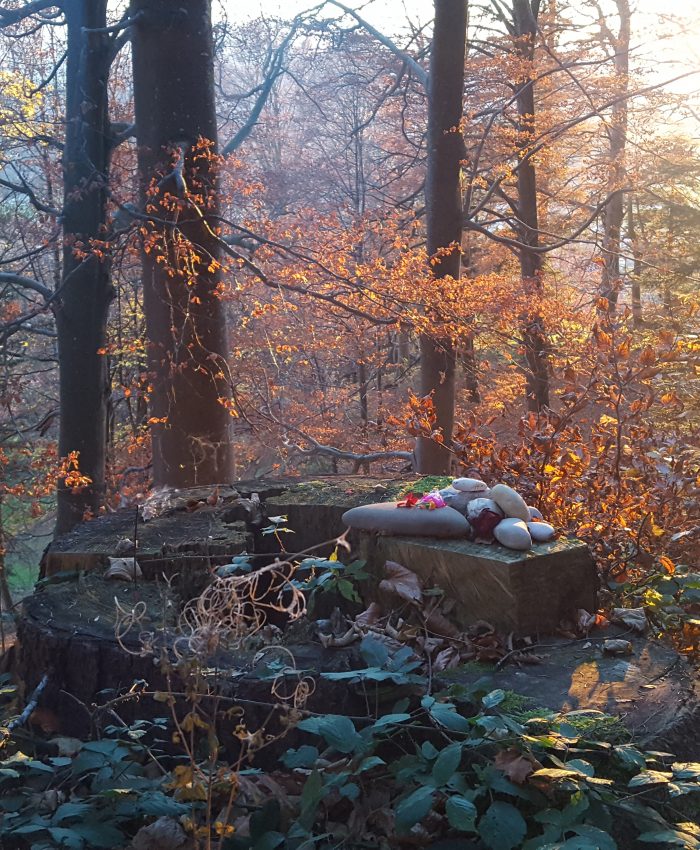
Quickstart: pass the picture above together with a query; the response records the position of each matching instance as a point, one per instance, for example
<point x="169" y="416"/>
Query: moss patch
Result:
<point x="427" y="483"/>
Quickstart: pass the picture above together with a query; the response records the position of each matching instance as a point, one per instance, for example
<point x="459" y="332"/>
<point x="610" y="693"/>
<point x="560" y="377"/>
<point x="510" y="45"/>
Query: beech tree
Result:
<point x="80" y="302"/>
<point x="185" y="320"/>
<point x="443" y="205"/>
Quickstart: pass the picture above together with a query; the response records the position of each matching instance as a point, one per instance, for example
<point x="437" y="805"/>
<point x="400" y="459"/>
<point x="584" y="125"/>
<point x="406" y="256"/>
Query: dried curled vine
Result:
<point x="235" y="607"/>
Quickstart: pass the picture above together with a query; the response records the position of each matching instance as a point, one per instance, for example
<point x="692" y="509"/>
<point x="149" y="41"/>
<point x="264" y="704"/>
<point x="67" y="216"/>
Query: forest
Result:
<point x="262" y="268"/>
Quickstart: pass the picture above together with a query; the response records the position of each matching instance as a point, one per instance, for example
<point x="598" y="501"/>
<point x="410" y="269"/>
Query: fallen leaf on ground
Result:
<point x="515" y="765"/>
<point x="401" y="582"/>
<point x="635" y="618"/>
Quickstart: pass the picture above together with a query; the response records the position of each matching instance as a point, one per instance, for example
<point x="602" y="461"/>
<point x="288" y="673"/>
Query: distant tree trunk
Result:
<point x="637" y="313"/>
<point x="443" y="204"/>
<point x="85" y="289"/>
<point x="617" y="137"/>
<point x="534" y="337"/>
<point x="185" y="321"/>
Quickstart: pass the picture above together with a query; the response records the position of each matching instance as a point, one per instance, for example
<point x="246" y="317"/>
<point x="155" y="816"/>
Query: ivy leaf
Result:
<point x="413" y="808"/>
<point x="461" y="814"/>
<point x="502" y="827"/>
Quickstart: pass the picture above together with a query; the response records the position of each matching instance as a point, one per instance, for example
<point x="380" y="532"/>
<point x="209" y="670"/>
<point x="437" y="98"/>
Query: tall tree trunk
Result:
<point x="85" y="291"/>
<point x="617" y="137"/>
<point x="443" y="204"/>
<point x="533" y="333"/>
<point x="637" y="313"/>
<point x="185" y="321"/>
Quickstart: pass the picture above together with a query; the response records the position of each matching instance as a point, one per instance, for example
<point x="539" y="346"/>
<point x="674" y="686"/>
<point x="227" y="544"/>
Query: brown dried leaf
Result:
<point x="401" y="582"/>
<point x="371" y="616"/>
<point x="438" y="624"/>
<point x="634" y="618"/>
<point x="515" y="765"/>
<point x="447" y="659"/>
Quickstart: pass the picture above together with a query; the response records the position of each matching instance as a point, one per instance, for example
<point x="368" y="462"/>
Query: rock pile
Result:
<point x="467" y="508"/>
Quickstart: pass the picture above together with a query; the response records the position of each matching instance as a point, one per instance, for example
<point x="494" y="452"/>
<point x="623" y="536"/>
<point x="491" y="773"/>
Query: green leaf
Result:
<point x="650" y="777"/>
<point x="70" y="838"/>
<point x="8" y="773"/>
<point x="369" y="763"/>
<point x="389" y="720"/>
<point x="502" y="827"/>
<point x="374" y="652"/>
<point x="629" y="756"/>
<point x="599" y="839"/>
<point x="347" y="591"/>
<point x="491" y="700"/>
<point x="99" y="834"/>
<point x="413" y="808"/>
<point x="264" y="820"/>
<point x="311" y="796"/>
<point x="305" y="756"/>
<point x="338" y="731"/>
<point x="461" y="814"/>
<point x="70" y="810"/>
<point x="669" y="836"/>
<point x="159" y="804"/>
<point x="446" y="764"/>
<point x="269" y="841"/>
<point x="686" y="770"/>
<point x="581" y="766"/>
<point x="445" y="715"/>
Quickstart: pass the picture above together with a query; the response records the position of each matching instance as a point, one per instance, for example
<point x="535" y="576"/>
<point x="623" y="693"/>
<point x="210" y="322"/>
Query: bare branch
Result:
<point x="419" y="71"/>
<point x="26" y="283"/>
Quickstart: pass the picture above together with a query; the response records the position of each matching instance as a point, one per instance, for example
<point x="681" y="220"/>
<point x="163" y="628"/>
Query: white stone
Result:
<point x="513" y="533"/>
<point x="476" y="506"/>
<point x="540" y="532"/>
<point x="534" y="513"/>
<point x="511" y="503"/>
<point x="470" y="485"/>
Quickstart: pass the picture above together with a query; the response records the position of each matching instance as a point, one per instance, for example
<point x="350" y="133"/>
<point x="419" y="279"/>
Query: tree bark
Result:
<point x="443" y="204"/>
<point x="637" y="312"/>
<point x="185" y="320"/>
<point x="617" y="135"/>
<point x="533" y="332"/>
<point x="85" y="290"/>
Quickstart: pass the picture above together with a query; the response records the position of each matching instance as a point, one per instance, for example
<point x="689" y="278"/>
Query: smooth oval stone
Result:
<point x="534" y="513"/>
<point x="387" y="517"/>
<point x="513" y="533"/>
<point x="470" y="485"/>
<point x="476" y="506"/>
<point x="457" y="500"/>
<point x="541" y="532"/>
<point x="511" y="503"/>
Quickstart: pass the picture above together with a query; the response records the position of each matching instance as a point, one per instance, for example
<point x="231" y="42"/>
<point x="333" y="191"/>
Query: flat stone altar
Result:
<point x="523" y="592"/>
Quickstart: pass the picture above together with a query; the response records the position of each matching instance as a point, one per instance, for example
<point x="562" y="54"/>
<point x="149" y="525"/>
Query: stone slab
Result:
<point x="524" y="592"/>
